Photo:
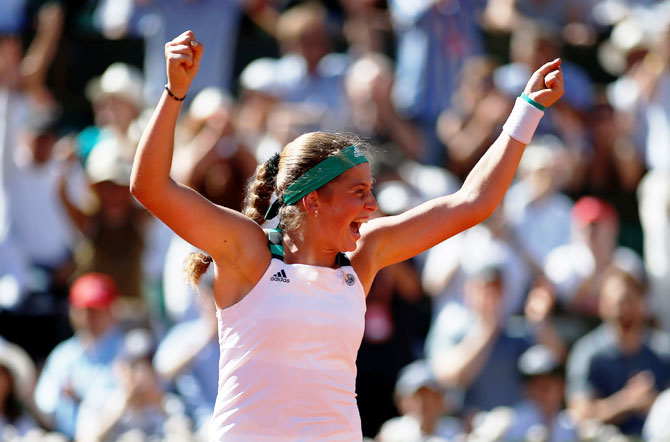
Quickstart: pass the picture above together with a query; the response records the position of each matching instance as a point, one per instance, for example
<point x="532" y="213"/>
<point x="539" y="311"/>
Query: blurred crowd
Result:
<point x="547" y="322"/>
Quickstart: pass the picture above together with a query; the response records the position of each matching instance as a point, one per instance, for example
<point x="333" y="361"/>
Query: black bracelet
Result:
<point x="173" y="96"/>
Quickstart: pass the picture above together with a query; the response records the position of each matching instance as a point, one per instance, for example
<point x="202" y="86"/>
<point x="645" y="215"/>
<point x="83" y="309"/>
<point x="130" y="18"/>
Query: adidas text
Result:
<point x="280" y="277"/>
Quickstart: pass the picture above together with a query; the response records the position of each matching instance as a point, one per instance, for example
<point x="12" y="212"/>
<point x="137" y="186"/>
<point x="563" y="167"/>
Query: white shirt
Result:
<point x="288" y="357"/>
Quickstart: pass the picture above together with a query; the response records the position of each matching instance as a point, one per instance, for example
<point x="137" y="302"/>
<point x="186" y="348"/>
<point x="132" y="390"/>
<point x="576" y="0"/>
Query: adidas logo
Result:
<point x="280" y="276"/>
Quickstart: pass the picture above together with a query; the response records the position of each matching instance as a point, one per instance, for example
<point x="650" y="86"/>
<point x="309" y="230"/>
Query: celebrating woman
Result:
<point x="291" y="302"/>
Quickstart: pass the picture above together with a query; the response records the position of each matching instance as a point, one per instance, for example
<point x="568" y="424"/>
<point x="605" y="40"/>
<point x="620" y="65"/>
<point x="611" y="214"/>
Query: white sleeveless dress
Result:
<point x="287" y="370"/>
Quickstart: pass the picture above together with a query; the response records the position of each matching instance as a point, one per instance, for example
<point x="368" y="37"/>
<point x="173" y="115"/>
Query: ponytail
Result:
<point x="260" y="190"/>
<point x="195" y="265"/>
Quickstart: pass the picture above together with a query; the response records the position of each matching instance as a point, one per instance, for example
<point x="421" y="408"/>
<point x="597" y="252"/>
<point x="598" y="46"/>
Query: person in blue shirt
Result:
<point x="435" y="38"/>
<point x="76" y="366"/>
<point x="615" y="372"/>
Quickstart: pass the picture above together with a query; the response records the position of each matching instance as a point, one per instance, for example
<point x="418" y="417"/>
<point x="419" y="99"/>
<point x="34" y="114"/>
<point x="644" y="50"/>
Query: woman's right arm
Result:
<point x="228" y="236"/>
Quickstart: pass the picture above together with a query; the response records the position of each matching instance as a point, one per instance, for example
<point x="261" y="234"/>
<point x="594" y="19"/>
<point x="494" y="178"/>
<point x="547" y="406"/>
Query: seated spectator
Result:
<point x="422" y="405"/>
<point x="531" y="43"/>
<point x="116" y="98"/>
<point x="39" y="223"/>
<point x="310" y="77"/>
<point x="449" y="264"/>
<point x="368" y="84"/>
<point x="616" y="371"/>
<point x="17" y="377"/>
<point x="188" y="356"/>
<point x="577" y="269"/>
<point x="473" y="347"/>
<point x="80" y="363"/>
<point x="537" y="212"/>
<point x="542" y="409"/>
<point x="434" y="39"/>
<point x="473" y="120"/>
<point x="135" y="401"/>
<point x="114" y="230"/>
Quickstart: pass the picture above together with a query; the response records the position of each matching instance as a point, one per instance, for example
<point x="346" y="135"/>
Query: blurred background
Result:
<point x="547" y="322"/>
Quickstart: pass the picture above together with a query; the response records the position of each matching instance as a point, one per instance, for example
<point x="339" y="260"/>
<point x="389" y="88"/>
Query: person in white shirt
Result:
<point x="291" y="301"/>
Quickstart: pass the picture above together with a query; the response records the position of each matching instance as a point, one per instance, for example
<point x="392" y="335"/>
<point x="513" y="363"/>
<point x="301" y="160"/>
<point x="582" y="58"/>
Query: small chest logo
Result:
<point x="349" y="279"/>
<point x="280" y="277"/>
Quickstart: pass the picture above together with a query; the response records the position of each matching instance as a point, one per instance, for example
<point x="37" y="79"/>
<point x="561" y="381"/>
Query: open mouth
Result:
<point x="356" y="224"/>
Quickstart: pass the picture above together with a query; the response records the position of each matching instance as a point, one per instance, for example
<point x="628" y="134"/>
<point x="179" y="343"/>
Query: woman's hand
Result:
<point x="546" y="84"/>
<point x="182" y="60"/>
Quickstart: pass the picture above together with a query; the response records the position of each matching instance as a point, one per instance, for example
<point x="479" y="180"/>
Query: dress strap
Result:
<point x="277" y="249"/>
<point x="341" y="260"/>
<point x="275" y="244"/>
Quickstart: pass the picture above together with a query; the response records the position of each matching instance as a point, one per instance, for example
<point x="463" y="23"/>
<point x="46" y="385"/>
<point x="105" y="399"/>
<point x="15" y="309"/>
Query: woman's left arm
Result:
<point x="392" y="239"/>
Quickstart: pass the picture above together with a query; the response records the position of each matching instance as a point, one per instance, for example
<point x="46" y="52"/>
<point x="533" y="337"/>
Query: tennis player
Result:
<point x="291" y="302"/>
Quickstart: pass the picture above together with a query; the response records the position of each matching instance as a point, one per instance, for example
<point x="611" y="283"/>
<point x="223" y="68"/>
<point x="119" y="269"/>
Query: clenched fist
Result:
<point x="546" y="84"/>
<point x="182" y="60"/>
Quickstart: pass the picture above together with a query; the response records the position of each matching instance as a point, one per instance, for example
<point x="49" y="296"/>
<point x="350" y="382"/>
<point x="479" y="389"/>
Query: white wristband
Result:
<point x="523" y="121"/>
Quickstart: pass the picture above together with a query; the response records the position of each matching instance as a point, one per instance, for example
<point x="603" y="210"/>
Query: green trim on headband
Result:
<point x="533" y="102"/>
<point x="324" y="172"/>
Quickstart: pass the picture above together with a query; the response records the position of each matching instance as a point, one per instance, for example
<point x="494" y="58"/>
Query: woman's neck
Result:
<point x="299" y="250"/>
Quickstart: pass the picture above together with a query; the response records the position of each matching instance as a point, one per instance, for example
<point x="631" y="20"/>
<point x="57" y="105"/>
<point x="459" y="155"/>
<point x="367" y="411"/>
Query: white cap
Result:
<point x="208" y="101"/>
<point x="120" y="80"/>
<point x="106" y="163"/>
<point x="261" y="75"/>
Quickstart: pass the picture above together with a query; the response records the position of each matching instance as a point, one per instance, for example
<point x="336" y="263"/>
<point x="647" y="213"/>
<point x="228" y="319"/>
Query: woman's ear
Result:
<point x="310" y="202"/>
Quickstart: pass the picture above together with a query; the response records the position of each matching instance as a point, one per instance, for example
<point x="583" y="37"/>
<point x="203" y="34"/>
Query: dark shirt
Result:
<point x="499" y="382"/>
<point x="598" y="368"/>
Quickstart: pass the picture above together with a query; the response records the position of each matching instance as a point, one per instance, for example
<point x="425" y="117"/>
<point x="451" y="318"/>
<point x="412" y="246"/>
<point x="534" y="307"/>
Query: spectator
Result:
<point x="40" y="225"/>
<point x="188" y="357"/>
<point x="474" y="118"/>
<point x="81" y="363"/>
<point x="115" y="229"/>
<point x="213" y="160"/>
<point x="537" y="212"/>
<point x="577" y="269"/>
<point x="116" y="97"/>
<point x="653" y="191"/>
<point x="310" y="75"/>
<point x="422" y="404"/>
<point x="135" y="401"/>
<point x="473" y="347"/>
<point x="542" y="409"/>
<point x="449" y="264"/>
<point x="530" y="44"/>
<point x="435" y="37"/>
<point x="367" y="27"/>
<point x="396" y="323"/>
<point x="217" y="23"/>
<point x="368" y="84"/>
<point x="616" y="371"/>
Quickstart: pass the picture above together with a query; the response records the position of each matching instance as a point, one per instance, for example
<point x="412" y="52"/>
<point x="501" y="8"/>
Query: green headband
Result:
<point x="317" y="176"/>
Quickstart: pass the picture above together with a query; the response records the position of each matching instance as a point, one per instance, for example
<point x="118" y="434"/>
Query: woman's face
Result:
<point x="344" y="205"/>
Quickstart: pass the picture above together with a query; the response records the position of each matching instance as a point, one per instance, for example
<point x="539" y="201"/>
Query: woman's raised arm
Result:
<point x="393" y="239"/>
<point x="224" y="233"/>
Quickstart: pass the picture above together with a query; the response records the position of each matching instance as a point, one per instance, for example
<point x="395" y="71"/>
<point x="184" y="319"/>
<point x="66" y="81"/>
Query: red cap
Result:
<point x="93" y="290"/>
<point x="589" y="209"/>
